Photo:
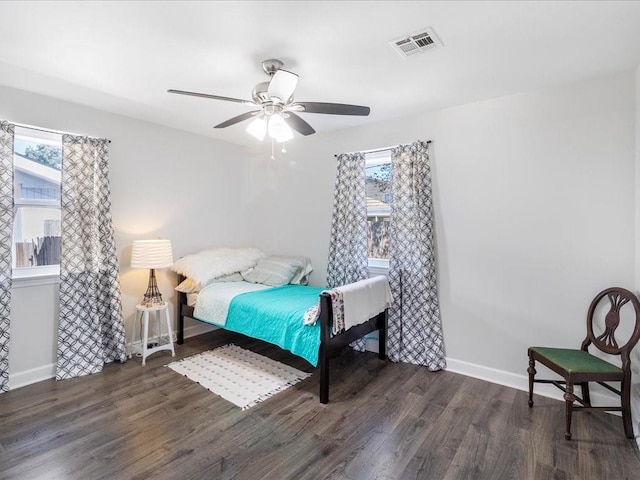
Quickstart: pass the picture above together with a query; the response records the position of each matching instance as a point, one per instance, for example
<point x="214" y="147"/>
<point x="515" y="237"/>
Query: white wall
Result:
<point x="534" y="207"/>
<point x="34" y="330"/>
<point x="637" y="77"/>
<point x="164" y="183"/>
<point x="636" y="355"/>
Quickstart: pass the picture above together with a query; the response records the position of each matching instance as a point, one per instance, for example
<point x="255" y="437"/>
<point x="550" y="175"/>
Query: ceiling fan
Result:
<point x="277" y="114"/>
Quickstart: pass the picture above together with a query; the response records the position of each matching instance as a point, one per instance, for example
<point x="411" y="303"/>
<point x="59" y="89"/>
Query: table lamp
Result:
<point x="152" y="254"/>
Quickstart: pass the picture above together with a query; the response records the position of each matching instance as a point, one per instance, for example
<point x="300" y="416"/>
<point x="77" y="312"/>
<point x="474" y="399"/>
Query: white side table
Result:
<point x="142" y="313"/>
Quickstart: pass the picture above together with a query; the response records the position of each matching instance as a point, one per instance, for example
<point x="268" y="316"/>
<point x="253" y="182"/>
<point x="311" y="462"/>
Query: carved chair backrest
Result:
<point x="607" y="342"/>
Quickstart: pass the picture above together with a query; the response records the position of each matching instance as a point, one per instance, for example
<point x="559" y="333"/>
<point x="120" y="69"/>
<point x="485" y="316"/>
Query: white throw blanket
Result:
<point x="354" y="303"/>
<point x="213" y="301"/>
<point x="365" y="299"/>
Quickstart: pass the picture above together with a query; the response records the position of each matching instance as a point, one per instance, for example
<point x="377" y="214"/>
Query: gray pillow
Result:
<point x="271" y="271"/>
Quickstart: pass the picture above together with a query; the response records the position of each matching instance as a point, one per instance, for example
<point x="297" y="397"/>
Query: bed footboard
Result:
<point x="331" y="346"/>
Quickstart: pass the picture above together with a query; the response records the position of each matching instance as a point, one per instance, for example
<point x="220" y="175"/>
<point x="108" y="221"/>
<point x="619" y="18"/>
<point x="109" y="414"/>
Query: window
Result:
<point x="378" y="192"/>
<point x="37" y="163"/>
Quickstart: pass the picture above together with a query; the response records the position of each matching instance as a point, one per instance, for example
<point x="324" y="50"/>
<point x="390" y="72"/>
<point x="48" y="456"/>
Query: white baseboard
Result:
<point x="38" y="374"/>
<point x="198" y="329"/>
<point x="192" y="331"/>
<point x="521" y="382"/>
<point x="371" y="345"/>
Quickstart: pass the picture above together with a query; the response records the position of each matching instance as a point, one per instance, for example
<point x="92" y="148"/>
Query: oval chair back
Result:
<point x="607" y="342"/>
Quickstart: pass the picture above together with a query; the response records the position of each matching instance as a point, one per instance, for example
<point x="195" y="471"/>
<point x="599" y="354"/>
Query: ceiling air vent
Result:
<point x="415" y="42"/>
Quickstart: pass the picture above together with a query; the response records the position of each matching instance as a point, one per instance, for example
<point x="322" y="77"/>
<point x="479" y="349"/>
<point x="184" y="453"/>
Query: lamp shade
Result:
<point x="258" y="128"/>
<point x="151" y="253"/>
<point x="278" y="129"/>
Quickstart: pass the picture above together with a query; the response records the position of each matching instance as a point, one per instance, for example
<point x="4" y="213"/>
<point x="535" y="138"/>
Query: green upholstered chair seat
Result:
<point x="576" y="361"/>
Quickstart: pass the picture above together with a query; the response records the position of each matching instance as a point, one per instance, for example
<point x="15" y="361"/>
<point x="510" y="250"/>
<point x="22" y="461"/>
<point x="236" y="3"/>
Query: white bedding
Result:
<point x="212" y="304"/>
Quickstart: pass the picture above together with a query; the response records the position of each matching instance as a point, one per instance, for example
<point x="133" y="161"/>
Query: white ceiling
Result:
<point x="123" y="56"/>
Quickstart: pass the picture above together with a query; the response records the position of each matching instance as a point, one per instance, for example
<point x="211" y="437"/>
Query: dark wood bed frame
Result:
<point x="330" y="346"/>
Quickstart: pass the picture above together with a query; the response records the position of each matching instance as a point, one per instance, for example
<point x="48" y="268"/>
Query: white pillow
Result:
<point x="271" y="271"/>
<point x="188" y="285"/>
<point x="207" y="265"/>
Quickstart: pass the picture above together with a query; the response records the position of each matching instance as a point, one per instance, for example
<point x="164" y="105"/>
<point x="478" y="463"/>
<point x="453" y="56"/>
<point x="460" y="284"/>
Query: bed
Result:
<point x="273" y="313"/>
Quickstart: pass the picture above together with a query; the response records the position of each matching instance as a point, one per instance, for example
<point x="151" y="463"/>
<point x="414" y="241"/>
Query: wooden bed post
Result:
<point x="324" y="375"/>
<point x="182" y="300"/>
<point x="326" y="315"/>
<point x="382" y="335"/>
<point x="180" y="325"/>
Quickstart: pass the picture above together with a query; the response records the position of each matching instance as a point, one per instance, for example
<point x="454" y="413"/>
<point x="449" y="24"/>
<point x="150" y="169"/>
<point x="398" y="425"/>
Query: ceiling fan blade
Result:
<point x="298" y="124"/>
<point x="331" y="108"/>
<point x="238" y="119"/>
<point x="213" y="97"/>
<point x="282" y="85"/>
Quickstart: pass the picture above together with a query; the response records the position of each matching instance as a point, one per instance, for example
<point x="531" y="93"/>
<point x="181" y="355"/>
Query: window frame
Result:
<point x="42" y="274"/>
<point x="378" y="265"/>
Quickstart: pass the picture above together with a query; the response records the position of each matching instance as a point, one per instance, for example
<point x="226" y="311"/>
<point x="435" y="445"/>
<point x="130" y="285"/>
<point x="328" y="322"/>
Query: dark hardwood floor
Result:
<point x="392" y="421"/>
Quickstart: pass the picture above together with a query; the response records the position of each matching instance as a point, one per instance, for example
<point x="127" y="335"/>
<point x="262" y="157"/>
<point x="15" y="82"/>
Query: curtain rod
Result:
<point x="376" y="150"/>
<point x="48" y="130"/>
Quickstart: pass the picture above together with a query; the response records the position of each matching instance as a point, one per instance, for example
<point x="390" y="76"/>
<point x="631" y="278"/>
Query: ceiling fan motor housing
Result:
<point x="271" y="66"/>
<point x="260" y="92"/>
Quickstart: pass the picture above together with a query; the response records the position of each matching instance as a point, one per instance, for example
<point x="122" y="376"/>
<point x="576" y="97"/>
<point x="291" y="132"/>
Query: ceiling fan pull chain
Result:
<point x="284" y="150"/>
<point x="273" y="143"/>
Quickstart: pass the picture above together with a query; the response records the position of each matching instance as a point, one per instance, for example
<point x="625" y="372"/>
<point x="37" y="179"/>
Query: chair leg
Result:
<point x="532" y="372"/>
<point x="626" y="409"/>
<point x="585" y="393"/>
<point x="569" y="398"/>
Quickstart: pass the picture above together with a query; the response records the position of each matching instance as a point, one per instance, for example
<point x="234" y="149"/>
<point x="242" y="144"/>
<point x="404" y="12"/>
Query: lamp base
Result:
<point x="152" y="297"/>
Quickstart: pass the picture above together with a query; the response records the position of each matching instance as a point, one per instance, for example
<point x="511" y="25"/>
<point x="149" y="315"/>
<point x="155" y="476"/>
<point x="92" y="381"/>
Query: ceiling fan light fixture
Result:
<point x="278" y="129"/>
<point x="257" y="128"/>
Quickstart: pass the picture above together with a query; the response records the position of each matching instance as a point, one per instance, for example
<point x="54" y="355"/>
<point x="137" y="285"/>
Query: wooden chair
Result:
<point x="579" y="367"/>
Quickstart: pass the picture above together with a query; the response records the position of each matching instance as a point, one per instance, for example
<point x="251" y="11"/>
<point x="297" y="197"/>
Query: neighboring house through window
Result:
<point x="37" y="164"/>
<point x="378" y="192"/>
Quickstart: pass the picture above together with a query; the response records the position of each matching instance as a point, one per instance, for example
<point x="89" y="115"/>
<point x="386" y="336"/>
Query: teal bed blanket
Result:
<point x="275" y="316"/>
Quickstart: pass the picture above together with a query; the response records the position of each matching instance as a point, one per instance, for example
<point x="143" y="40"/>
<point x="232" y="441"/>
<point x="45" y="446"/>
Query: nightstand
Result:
<point x="142" y="314"/>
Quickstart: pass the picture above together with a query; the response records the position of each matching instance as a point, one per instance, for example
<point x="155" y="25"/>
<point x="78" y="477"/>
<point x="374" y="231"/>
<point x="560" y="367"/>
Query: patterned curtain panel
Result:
<point x="348" y="260"/>
<point x="415" y="329"/>
<point x="91" y="330"/>
<point x="6" y="232"/>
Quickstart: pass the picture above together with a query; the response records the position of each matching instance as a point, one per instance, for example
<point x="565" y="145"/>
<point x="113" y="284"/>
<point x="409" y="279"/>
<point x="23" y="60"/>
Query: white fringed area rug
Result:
<point x="240" y="376"/>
